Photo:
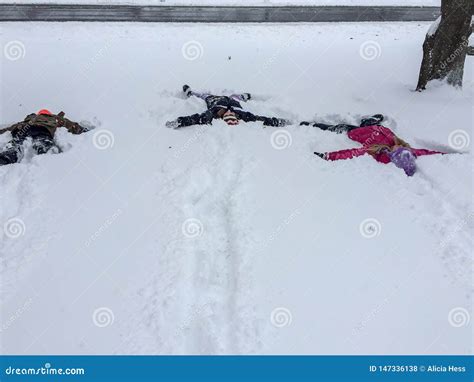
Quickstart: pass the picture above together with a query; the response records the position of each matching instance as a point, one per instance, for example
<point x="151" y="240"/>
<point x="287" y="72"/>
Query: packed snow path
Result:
<point x="218" y="240"/>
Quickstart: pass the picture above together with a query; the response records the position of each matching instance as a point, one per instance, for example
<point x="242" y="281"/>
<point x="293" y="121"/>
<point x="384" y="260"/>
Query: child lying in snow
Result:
<point x="378" y="141"/>
<point x="41" y="128"/>
<point x="227" y="108"/>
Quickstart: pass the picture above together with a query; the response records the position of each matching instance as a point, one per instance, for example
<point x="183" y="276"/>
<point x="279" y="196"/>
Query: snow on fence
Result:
<point x="76" y="12"/>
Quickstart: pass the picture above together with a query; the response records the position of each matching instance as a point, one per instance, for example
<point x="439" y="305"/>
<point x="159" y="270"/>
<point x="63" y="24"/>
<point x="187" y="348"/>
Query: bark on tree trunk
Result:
<point x="445" y="46"/>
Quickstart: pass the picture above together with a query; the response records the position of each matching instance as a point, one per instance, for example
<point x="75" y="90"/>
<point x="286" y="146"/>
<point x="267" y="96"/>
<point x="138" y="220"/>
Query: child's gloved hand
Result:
<point x="270" y="121"/>
<point x="321" y="155"/>
<point x="246" y="96"/>
<point x="276" y="122"/>
<point x="172" y="124"/>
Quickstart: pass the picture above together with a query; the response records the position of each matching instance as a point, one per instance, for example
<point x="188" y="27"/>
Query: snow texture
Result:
<point x="139" y="239"/>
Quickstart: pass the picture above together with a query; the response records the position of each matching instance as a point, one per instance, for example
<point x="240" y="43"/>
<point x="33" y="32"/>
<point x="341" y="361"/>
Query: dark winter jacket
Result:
<point x="207" y="117"/>
<point x="215" y="103"/>
<point x="40" y="124"/>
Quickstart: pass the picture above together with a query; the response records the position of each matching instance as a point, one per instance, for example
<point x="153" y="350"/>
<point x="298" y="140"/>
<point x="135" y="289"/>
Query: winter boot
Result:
<point x="44" y="144"/>
<point x="372" y="120"/>
<point x="187" y="90"/>
<point x="12" y="153"/>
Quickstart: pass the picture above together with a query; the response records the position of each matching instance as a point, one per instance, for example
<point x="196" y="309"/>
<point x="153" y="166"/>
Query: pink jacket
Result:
<point x="368" y="136"/>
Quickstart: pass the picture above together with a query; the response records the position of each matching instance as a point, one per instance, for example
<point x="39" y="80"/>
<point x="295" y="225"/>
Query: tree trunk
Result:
<point x="446" y="43"/>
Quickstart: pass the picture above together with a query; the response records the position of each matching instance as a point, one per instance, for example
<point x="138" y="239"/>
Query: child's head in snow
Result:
<point x="403" y="158"/>
<point x="228" y="116"/>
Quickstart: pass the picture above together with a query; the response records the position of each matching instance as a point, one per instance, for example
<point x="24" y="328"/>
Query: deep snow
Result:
<point x="210" y="240"/>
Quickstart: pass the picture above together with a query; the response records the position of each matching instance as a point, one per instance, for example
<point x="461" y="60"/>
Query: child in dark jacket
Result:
<point x="41" y="128"/>
<point x="227" y="108"/>
<point x="378" y="141"/>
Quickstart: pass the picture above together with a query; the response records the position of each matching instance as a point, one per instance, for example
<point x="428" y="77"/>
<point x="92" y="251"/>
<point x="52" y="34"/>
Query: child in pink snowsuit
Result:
<point x="378" y="141"/>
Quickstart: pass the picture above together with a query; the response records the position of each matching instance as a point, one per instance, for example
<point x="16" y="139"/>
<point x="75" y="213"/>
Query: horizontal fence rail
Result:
<point x="211" y="14"/>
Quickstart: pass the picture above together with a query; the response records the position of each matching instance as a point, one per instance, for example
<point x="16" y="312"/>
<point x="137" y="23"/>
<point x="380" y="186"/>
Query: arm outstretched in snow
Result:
<point x="207" y="117"/>
<point x="4" y="130"/>
<point x="357" y="152"/>
<point x="189" y="120"/>
<point x="267" y="121"/>
<point x="72" y="127"/>
<point x="345" y="154"/>
<point x="421" y="152"/>
<point x="19" y="125"/>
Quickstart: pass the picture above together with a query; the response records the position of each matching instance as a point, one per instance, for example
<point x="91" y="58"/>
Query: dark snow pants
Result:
<point x="13" y="151"/>
<point x="339" y="129"/>
<point x="211" y="100"/>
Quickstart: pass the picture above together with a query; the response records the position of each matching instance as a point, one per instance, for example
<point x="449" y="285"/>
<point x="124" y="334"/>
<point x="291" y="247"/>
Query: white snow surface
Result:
<point x="276" y="258"/>
<point x="248" y="3"/>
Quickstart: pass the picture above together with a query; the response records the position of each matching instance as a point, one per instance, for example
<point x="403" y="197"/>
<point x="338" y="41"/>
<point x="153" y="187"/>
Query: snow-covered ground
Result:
<point x="235" y="2"/>
<point x="212" y="240"/>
